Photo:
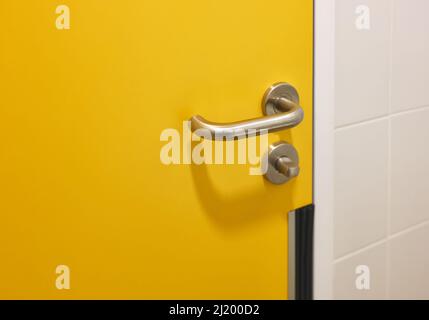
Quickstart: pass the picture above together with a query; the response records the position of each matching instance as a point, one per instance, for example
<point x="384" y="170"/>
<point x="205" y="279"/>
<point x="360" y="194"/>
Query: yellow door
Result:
<point x="82" y="112"/>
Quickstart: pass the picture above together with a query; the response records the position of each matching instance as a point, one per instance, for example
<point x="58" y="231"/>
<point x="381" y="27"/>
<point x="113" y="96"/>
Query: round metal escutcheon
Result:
<point x="278" y="90"/>
<point x="277" y="151"/>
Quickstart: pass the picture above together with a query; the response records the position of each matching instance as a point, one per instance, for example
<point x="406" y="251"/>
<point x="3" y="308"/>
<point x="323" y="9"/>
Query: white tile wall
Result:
<point x="410" y="54"/>
<point x="362" y="62"/>
<point x="346" y="275"/>
<point x="410" y="169"/>
<point x="409" y="264"/>
<point x="381" y="178"/>
<point x="361" y="154"/>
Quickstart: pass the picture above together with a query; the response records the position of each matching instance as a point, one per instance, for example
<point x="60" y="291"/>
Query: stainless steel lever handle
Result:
<point x="281" y="109"/>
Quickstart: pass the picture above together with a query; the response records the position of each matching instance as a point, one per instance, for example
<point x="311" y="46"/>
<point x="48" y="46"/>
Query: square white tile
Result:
<point x="409" y="265"/>
<point x="410" y="54"/>
<point x="362" y="60"/>
<point x="410" y="169"/>
<point x="361" y="177"/>
<point x="351" y="274"/>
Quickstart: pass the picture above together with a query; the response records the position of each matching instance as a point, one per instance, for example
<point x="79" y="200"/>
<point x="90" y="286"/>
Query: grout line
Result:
<point x="408" y="111"/>
<point x="383" y="117"/>
<point x="409" y="229"/>
<point x="358" y="123"/>
<point x="389" y="157"/>
<point x="361" y="250"/>
<point x="389" y="205"/>
<point x="382" y="241"/>
<point x="389" y="202"/>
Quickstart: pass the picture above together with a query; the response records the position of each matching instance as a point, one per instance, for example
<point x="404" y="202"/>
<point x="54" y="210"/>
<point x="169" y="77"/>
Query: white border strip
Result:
<point x="324" y="104"/>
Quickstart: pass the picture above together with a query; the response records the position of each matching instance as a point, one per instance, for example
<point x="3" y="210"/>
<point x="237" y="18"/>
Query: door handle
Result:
<point x="280" y="106"/>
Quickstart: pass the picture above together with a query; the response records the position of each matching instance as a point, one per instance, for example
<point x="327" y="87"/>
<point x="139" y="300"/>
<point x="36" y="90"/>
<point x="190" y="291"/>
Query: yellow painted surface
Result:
<point x="81" y="182"/>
